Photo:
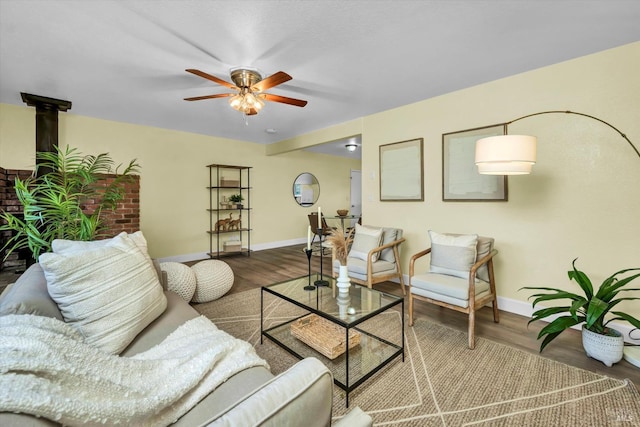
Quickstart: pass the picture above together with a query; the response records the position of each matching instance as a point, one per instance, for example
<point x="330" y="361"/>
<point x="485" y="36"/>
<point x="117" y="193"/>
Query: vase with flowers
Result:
<point x="340" y="244"/>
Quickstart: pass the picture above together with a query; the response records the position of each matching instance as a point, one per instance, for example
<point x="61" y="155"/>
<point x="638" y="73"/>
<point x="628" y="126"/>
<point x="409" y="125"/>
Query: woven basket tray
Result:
<point x="323" y="336"/>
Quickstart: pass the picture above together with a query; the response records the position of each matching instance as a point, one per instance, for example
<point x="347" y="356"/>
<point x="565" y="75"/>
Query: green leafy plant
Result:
<point x="236" y="198"/>
<point x="591" y="308"/>
<point x="54" y="203"/>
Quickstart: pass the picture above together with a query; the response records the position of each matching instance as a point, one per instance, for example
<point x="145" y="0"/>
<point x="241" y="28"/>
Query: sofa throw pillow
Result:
<point x="63" y="246"/>
<point x="364" y="240"/>
<point x="108" y="293"/>
<point x="453" y="255"/>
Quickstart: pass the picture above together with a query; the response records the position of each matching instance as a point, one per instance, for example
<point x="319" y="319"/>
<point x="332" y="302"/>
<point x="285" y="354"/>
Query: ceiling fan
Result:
<point x="249" y="86"/>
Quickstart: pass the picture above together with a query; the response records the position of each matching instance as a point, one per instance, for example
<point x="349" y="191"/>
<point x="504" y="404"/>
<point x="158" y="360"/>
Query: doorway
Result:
<point x="356" y="195"/>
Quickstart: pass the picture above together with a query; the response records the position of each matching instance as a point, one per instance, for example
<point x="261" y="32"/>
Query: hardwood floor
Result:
<point x="274" y="265"/>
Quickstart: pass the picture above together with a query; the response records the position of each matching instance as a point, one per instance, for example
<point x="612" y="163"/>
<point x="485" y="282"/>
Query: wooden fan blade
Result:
<point x="219" y="95"/>
<point x="212" y="78"/>
<point x="283" y="99"/>
<point x="271" y="81"/>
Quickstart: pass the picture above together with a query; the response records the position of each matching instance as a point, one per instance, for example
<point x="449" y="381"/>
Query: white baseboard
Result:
<point x="185" y="257"/>
<point x="279" y="244"/>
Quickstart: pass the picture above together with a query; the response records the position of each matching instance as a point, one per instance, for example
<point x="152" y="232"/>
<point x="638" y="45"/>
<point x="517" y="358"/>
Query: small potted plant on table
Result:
<point x="600" y="342"/>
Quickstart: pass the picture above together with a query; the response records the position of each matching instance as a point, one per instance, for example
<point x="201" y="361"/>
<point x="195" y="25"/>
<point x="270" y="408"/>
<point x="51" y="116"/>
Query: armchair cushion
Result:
<point x="388" y="236"/>
<point x="364" y="241"/>
<point x="357" y="266"/>
<point x="446" y="288"/>
<point x="453" y="255"/>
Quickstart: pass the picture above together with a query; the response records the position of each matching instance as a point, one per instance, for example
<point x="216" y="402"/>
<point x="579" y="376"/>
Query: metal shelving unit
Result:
<point x="226" y="235"/>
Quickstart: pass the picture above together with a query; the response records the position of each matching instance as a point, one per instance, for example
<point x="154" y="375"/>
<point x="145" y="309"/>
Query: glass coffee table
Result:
<point x="354" y="334"/>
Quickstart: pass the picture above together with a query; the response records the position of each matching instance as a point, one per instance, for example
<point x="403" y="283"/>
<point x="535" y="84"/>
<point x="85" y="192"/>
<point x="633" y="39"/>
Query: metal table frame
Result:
<point x="346" y="386"/>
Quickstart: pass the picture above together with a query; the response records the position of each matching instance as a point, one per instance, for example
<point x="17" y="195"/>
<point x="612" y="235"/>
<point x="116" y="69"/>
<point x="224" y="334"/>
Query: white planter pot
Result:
<point x="605" y="348"/>
<point x="343" y="282"/>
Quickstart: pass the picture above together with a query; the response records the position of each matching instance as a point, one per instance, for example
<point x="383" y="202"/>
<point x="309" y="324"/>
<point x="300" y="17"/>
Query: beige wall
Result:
<point x="583" y="198"/>
<point x="174" y="176"/>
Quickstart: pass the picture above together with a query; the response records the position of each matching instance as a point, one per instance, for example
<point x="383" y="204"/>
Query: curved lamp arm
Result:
<point x="516" y="154"/>
<point x="579" y="114"/>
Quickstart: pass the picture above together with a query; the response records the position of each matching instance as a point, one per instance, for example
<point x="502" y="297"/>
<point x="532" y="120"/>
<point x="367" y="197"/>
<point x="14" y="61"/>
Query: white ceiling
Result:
<point x="125" y="60"/>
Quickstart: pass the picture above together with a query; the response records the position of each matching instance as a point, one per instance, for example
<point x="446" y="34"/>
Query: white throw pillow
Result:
<point x="364" y="241"/>
<point x="453" y="255"/>
<point x="62" y="246"/>
<point x="109" y="292"/>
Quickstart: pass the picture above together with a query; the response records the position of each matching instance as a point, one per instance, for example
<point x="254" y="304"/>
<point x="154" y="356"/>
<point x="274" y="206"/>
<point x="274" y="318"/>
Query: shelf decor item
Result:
<point x="237" y="200"/>
<point x="590" y="309"/>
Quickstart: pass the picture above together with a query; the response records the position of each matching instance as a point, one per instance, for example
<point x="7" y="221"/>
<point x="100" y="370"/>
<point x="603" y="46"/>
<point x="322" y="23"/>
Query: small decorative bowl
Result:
<point x="343" y="212"/>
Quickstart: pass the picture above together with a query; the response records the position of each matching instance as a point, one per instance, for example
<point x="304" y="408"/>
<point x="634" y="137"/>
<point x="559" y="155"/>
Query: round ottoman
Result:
<point x="213" y="279"/>
<point x="180" y="279"/>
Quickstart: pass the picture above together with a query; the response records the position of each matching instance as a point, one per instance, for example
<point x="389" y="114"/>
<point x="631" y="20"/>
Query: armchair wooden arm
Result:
<point x="483" y="261"/>
<point x="395" y="244"/>
<point x="413" y="260"/>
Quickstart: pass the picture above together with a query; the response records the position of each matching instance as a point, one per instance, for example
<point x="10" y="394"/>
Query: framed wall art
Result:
<point x="401" y="171"/>
<point x="461" y="181"/>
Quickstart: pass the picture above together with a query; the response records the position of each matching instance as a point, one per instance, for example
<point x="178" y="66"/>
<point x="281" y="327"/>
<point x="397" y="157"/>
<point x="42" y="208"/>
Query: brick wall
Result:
<point x="126" y="217"/>
<point x="9" y="203"/>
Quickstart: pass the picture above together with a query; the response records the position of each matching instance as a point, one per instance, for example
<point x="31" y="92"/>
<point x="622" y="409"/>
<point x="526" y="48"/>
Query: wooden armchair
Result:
<point x="448" y="285"/>
<point x="374" y="264"/>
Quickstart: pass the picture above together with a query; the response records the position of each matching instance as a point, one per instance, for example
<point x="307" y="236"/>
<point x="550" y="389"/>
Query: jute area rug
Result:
<point x="442" y="383"/>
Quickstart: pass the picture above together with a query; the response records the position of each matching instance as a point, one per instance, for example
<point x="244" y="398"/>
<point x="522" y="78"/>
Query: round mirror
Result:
<point x="306" y="189"/>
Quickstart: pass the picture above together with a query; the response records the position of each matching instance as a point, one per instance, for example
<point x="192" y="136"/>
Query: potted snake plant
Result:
<point x="592" y="309"/>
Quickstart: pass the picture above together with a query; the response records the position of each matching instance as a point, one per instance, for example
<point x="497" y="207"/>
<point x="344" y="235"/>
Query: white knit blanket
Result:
<point x="47" y="370"/>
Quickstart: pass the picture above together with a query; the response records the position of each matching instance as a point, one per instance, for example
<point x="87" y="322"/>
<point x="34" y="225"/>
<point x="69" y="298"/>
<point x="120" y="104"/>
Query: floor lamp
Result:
<point x="516" y="154"/>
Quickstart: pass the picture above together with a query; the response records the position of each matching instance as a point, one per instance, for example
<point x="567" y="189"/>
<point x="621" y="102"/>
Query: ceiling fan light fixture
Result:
<point x="351" y="147"/>
<point x="246" y="101"/>
<point x="236" y="102"/>
<point x="249" y="84"/>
